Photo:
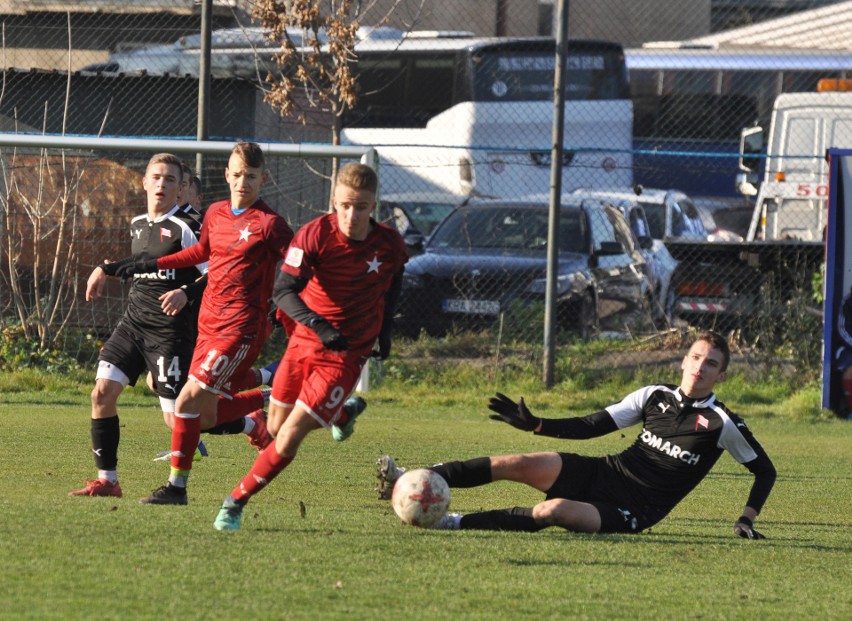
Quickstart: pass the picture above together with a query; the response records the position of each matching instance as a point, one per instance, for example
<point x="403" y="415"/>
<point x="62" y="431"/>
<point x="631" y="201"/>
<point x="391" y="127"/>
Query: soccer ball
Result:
<point x="420" y="497"/>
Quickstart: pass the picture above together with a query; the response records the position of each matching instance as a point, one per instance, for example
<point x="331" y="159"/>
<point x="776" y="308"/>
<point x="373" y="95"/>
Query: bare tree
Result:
<point x="317" y="41"/>
<point x="39" y="245"/>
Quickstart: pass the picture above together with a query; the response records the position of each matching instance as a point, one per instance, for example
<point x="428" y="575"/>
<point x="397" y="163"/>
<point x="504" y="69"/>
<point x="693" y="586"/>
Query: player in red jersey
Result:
<point x="339" y="283"/>
<point x="242" y="240"/>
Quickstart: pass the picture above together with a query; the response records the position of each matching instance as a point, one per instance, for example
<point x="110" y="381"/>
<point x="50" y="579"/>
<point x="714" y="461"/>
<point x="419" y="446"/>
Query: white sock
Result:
<point x="249" y="421"/>
<point x="109" y="475"/>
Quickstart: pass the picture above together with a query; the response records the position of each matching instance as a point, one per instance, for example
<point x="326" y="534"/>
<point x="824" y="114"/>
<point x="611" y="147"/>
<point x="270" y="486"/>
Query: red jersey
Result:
<point x="242" y="252"/>
<point x="347" y="279"/>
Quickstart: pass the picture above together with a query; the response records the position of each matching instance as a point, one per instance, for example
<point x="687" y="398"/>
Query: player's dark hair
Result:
<point x="717" y="341"/>
<point x="250" y="153"/>
<point x="358" y="177"/>
<point x="195" y="182"/>
<point x="166" y="158"/>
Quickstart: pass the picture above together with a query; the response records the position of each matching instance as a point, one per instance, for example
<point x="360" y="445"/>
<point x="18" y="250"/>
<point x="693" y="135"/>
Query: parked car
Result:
<point x="671" y="213"/>
<point x="489" y="257"/>
<point x="416" y="214"/>
<point x="660" y="263"/>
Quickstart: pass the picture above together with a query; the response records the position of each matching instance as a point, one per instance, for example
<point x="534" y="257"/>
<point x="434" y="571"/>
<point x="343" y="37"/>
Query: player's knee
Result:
<point x="550" y="511"/>
<point x="568" y="514"/>
<point x="101" y="395"/>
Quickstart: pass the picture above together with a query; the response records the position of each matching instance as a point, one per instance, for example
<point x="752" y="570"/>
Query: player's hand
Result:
<point x="515" y="414"/>
<point x="745" y="528"/>
<point x="330" y="336"/>
<point x="127" y="270"/>
<point x="172" y="302"/>
<point x="96" y="282"/>
<point x="384" y="349"/>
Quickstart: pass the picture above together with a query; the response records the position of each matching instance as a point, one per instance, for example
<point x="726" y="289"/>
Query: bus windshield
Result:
<point x="519" y="75"/>
<point x="408" y="85"/>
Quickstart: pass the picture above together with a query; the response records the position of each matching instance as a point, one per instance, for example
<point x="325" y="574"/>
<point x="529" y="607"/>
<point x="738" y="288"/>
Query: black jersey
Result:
<point x="165" y="235"/>
<point x="680" y="441"/>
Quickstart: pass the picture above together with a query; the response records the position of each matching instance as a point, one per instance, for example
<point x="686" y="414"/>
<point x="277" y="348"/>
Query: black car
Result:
<point x="488" y="258"/>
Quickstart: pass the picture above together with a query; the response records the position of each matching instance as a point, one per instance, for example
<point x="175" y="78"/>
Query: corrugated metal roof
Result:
<point x="827" y="28"/>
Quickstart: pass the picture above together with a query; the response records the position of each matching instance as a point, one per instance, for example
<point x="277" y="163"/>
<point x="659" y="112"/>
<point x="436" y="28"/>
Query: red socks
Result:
<point x="266" y="467"/>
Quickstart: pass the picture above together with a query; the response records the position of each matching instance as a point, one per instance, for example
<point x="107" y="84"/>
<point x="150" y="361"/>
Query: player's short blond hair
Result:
<point x="250" y="153"/>
<point x="166" y="158"/>
<point x="358" y="177"/>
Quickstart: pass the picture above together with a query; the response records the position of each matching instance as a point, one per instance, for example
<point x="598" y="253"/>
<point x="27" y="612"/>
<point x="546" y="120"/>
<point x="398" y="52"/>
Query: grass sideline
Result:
<point x="349" y="557"/>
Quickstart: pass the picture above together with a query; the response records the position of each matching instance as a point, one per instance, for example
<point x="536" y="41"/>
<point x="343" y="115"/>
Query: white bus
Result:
<point x="472" y="116"/>
<point x="453" y="113"/>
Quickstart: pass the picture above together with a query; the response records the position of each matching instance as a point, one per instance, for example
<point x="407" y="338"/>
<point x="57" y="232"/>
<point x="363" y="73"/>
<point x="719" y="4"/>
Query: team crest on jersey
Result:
<point x="244" y="233"/>
<point x="373" y="266"/>
<point x="294" y="256"/>
<point x="164" y="232"/>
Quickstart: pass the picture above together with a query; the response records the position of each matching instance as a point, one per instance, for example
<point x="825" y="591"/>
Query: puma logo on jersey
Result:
<point x="664" y="407"/>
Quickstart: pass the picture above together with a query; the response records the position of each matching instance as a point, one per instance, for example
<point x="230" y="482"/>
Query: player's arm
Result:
<point x="287" y="298"/>
<point x="195" y="255"/>
<point x="578" y="428"/>
<point x="737" y="439"/>
<point x="764" y="479"/>
<point x="386" y="332"/>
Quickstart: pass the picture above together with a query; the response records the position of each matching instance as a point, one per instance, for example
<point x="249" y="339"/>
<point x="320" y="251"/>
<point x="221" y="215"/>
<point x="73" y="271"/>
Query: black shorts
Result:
<point x="136" y="351"/>
<point x="594" y="481"/>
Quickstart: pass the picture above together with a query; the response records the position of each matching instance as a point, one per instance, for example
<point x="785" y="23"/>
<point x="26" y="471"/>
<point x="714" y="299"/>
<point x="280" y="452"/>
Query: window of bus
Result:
<point x="516" y="75"/>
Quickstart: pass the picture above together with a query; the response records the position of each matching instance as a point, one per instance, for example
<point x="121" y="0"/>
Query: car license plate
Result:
<point x="472" y="307"/>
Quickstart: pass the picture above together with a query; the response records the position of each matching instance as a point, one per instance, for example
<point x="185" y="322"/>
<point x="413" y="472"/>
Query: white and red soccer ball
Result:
<point x="420" y="497"/>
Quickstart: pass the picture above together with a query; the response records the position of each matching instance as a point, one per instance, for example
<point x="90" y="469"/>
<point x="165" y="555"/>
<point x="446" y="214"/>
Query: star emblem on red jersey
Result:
<point x="244" y="234"/>
<point x="373" y="265"/>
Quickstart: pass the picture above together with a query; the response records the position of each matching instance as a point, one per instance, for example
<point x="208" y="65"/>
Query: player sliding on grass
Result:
<point x="684" y="431"/>
<point x="339" y="283"/>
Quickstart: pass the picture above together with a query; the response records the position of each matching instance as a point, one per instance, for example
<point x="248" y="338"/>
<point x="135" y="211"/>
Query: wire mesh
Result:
<point x="118" y="68"/>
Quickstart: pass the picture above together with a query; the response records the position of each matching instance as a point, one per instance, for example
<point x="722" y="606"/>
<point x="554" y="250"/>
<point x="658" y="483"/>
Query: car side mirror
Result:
<point x="609" y="248"/>
<point x="414" y="239"/>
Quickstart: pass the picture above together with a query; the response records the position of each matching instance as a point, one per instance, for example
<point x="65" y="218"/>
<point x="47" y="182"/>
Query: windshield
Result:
<point x="528" y="76"/>
<point x="656" y="214"/>
<point x="509" y="228"/>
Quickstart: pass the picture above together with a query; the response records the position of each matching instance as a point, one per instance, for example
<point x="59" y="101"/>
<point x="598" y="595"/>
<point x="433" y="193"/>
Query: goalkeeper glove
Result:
<point x="515" y="414"/>
<point x="745" y="528"/>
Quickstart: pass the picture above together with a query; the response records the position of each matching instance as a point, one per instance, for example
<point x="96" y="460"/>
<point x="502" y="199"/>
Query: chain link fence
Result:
<point x="657" y="232"/>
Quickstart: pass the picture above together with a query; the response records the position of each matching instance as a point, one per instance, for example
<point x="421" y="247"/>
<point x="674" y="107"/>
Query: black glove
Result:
<point x="330" y="336"/>
<point x="515" y="414"/>
<point x="384" y="349"/>
<point x="273" y="317"/>
<point x="745" y="528"/>
<point x="111" y="268"/>
<point x="136" y="267"/>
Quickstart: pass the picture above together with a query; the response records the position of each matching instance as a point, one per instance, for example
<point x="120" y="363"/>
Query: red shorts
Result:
<point x="318" y="379"/>
<point x="218" y="358"/>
